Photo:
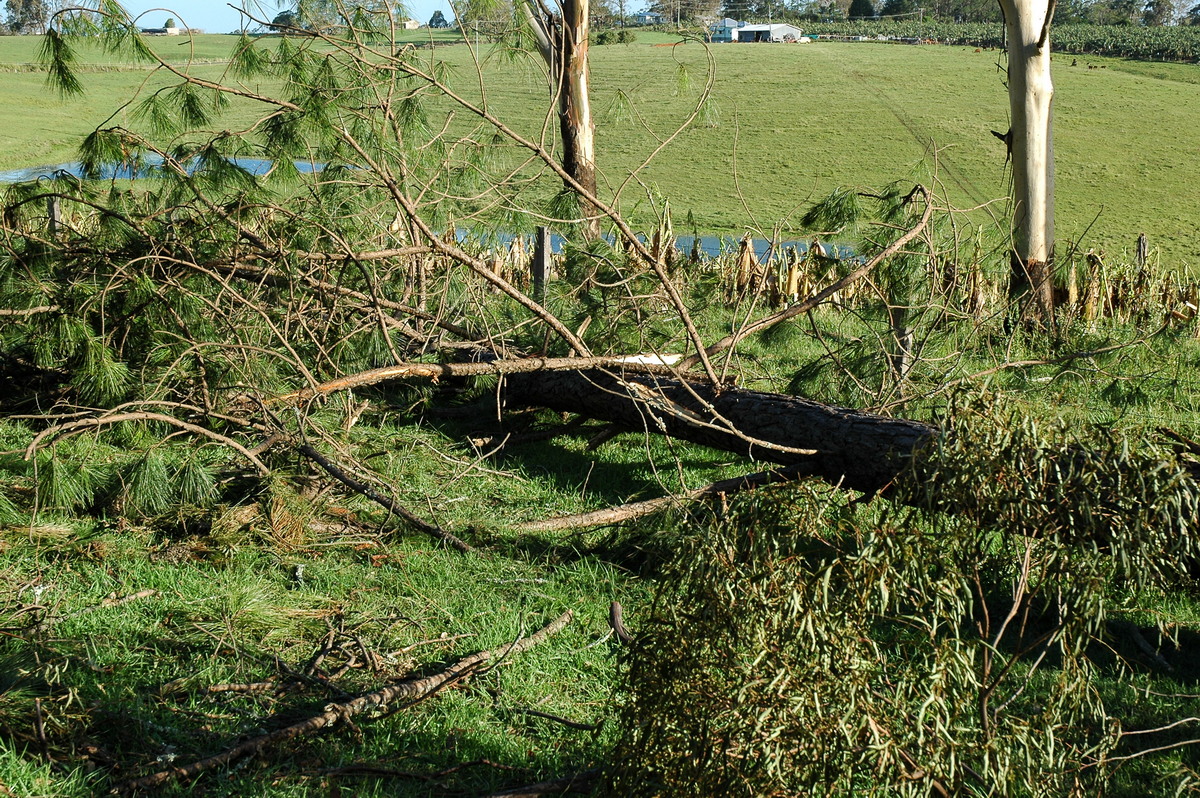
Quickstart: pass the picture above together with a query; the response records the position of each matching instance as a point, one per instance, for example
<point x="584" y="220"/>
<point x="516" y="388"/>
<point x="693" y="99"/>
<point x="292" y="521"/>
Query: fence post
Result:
<point x="54" y="213"/>
<point x="540" y="265"/>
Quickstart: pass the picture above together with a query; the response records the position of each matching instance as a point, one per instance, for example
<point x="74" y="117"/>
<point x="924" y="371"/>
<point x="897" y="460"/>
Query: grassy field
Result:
<point x="788" y="124"/>
<point x="162" y="601"/>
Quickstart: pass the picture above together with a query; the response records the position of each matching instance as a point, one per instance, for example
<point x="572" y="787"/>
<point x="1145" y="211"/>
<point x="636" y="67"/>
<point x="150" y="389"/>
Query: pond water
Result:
<point x="710" y="246"/>
<point x="124" y="171"/>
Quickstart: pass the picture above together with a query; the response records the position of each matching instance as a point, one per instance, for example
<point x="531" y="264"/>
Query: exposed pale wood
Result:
<point x="1031" y="95"/>
<point x="436" y="371"/>
<point x="28" y="311"/>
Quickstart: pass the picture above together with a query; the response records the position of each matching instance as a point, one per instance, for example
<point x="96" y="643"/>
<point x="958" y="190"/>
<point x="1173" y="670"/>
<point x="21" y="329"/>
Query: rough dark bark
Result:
<point x="849" y="448"/>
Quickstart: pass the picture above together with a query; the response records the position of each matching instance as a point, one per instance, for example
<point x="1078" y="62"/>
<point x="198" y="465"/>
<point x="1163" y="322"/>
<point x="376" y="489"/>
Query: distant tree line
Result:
<point x="1151" y="13"/>
<point x="27" y="16"/>
<point x="324" y="16"/>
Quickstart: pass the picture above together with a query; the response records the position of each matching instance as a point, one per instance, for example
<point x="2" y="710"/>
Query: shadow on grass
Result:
<point x="472" y="738"/>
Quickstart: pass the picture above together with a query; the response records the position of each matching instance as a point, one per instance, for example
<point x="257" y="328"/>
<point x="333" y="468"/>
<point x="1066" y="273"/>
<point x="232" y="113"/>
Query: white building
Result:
<point x="778" y="32"/>
<point x="725" y="30"/>
<point x="648" y="18"/>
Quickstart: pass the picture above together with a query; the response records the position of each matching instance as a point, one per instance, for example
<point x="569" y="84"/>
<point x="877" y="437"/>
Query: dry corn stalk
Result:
<point x="1091" y="296"/>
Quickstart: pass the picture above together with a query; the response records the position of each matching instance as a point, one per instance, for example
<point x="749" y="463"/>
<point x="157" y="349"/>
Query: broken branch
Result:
<point x="409" y="691"/>
<point x="383" y="501"/>
<point x="625" y="512"/>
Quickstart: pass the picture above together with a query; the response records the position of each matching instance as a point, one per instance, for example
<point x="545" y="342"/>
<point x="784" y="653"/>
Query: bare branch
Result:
<point x="407" y="693"/>
<point x="626" y="512"/>
<point x="366" y="490"/>
<point x="73" y="427"/>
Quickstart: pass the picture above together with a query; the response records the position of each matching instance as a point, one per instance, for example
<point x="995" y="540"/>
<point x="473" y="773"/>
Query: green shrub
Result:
<point x="802" y="644"/>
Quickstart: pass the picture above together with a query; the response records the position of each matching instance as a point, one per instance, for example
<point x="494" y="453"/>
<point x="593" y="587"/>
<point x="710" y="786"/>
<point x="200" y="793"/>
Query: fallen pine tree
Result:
<point x="1028" y="485"/>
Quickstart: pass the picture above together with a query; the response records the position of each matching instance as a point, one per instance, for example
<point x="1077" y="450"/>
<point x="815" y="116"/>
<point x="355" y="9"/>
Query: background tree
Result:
<point x="737" y="9"/>
<point x="967" y="10"/>
<point x="562" y="40"/>
<point x="493" y="19"/>
<point x="861" y="9"/>
<point x="438" y="20"/>
<point x="1158" y="13"/>
<point x="1193" y="16"/>
<point x="170" y="23"/>
<point x="326" y="15"/>
<point x="1067" y="11"/>
<point x="898" y="8"/>
<point x="284" y="19"/>
<point x="27" y="16"/>
<point x="604" y="14"/>
<point x="830" y="12"/>
<point x="1115" y="12"/>
<point x="686" y="12"/>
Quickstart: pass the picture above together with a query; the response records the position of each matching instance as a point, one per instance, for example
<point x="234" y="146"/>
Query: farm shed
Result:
<point x="778" y="32"/>
<point x="725" y="30"/>
<point x="648" y="18"/>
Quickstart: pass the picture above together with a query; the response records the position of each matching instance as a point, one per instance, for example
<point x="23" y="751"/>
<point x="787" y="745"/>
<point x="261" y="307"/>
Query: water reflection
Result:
<point x="151" y="166"/>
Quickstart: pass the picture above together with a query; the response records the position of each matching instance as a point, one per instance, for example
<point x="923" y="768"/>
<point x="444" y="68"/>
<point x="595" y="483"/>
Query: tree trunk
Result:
<point x="575" y="110"/>
<point x="564" y="46"/>
<point x="849" y="448"/>
<point x="1030" y="139"/>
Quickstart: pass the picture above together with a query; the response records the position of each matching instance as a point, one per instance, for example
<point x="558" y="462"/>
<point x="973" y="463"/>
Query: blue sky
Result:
<point x="213" y="16"/>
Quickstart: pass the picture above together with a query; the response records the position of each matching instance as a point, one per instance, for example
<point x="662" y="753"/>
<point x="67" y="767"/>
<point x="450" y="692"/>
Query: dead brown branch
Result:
<point x="617" y="624"/>
<point x="625" y="512"/>
<point x="767" y="322"/>
<point x="407" y="692"/>
<point x="366" y="490"/>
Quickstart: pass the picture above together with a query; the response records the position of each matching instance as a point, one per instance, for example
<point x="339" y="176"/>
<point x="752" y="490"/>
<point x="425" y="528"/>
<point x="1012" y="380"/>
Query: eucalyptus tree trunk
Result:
<point x="563" y="43"/>
<point x="1031" y="145"/>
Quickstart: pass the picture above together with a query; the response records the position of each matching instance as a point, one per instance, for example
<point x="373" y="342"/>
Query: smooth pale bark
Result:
<point x="1031" y="143"/>
<point x="563" y="43"/>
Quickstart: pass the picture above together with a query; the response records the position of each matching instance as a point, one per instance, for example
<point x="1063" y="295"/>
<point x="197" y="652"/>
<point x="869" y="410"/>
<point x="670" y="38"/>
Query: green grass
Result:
<point x="788" y="124"/>
<point x="228" y="607"/>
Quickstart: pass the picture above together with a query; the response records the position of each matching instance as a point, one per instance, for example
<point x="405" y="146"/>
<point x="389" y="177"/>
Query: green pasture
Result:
<point x="784" y="126"/>
<point x="161" y="602"/>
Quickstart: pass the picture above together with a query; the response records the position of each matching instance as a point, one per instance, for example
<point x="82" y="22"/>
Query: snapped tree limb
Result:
<point x="409" y="691"/>
<point x="849" y="448"/>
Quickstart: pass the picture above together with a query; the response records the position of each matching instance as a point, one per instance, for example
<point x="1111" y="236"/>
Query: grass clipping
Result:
<point x="802" y="644"/>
